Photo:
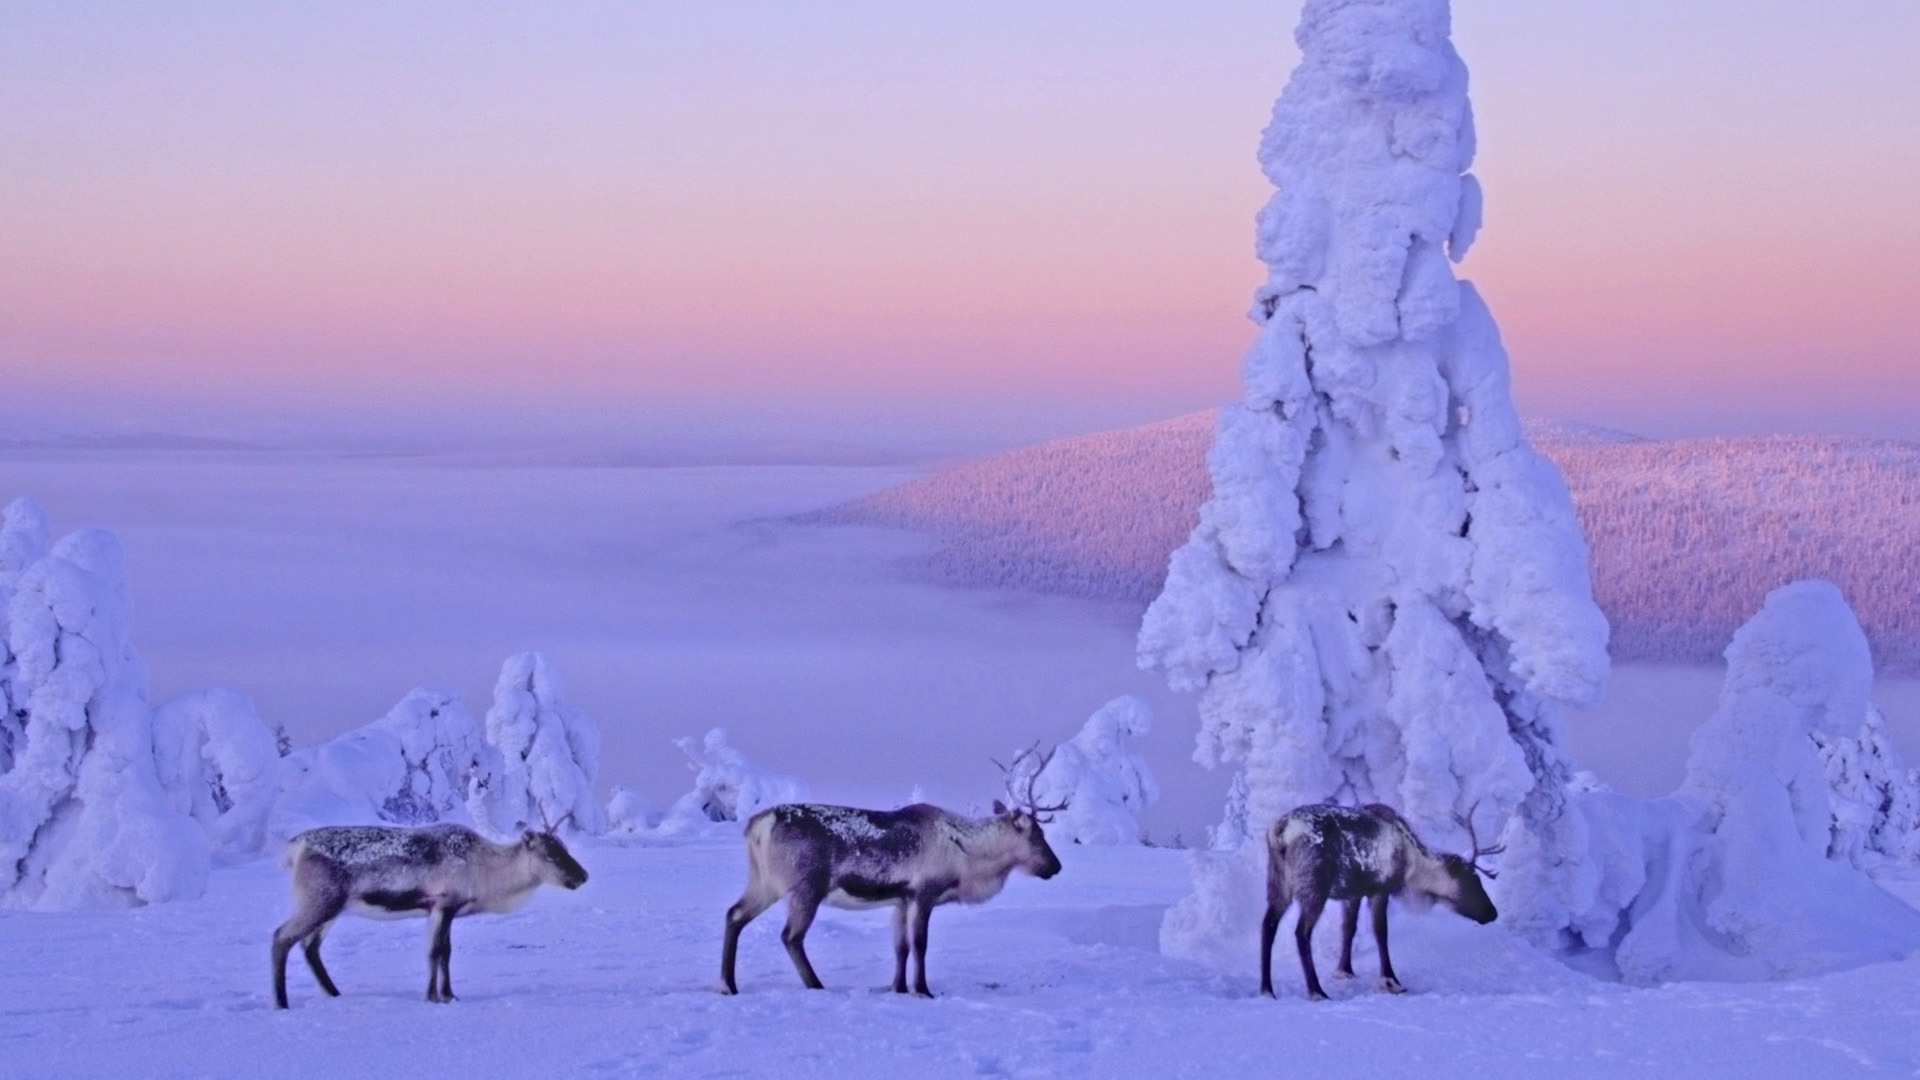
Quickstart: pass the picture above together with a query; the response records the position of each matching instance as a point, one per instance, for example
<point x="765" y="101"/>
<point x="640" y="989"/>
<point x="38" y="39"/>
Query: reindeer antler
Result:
<point x="1025" y="798"/>
<point x="1473" y="837"/>
<point x="550" y="826"/>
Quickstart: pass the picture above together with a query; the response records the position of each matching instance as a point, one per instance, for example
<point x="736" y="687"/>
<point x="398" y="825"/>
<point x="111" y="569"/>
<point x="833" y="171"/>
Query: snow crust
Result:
<point x="1104" y="784"/>
<point x="1386" y="597"/>
<point x="548" y="753"/>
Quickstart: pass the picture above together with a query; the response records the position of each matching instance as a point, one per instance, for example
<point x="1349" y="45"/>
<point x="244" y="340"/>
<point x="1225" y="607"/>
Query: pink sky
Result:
<point x="1700" y="219"/>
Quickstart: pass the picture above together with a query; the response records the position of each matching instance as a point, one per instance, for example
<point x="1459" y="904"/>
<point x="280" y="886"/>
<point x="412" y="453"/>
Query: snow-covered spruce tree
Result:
<point x="83" y="819"/>
<point x="549" y="752"/>
<point x="1386" y="597"/>
<point x="417" y="764"/>
<point x="23" y="541"/>
<point x="219" y="764"/>
<point x="1731" y="877"/>
<point x="1105" y="785"/>
<point x="1876" y="797"/>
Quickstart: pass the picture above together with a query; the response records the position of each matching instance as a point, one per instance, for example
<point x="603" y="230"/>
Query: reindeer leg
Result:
<point x="1310" y="907"/>
<point x="744" y="911"/>
<point x="802" y="904"/>
<point x="446" y="954"/>
<point x="1349" y="924"/>
<point x="439" y="945"/>
<point x="1269" y="929"/>
<point x="1379" y="911"/>
<point x="312" y="949"/>
<point x="920" y="915"/>
<point x="900" y="947"/>
<point x="315" y="910"/>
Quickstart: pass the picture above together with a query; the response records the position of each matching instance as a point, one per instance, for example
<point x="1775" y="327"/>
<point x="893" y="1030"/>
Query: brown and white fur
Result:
<point x="1327" y="852"/>
<point x="915" y="859"/>
<point x="440" y="871"/>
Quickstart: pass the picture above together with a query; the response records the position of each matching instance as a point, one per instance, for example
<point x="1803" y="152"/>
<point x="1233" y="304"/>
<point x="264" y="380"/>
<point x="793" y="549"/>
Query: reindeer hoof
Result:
<point x="1392" y="986"/>
<point x="1316" y="995"/>
<point x="922" y="992"/>
<point x="1343" y="974"/>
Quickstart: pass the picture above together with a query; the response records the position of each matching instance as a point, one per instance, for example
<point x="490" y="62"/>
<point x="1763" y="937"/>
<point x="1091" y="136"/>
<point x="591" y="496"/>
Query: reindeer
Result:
<point x="441" y="871"/>
<point x="914" y="858"/>
<point x="1328" y="852"/>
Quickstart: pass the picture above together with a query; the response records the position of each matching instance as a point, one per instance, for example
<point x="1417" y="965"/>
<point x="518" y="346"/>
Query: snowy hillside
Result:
<point x="1060" y="978"/>
<point x="1687" y="536"/>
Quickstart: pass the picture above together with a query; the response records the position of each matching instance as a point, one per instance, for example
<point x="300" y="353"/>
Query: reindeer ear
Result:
<point x="999" y="807"/>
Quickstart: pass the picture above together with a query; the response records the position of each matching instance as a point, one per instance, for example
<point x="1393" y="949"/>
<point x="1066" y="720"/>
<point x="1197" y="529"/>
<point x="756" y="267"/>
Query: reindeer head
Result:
<point x="1472" y="901"/>
<point x="554" y="864"/>
<point x="1025" y="817"/>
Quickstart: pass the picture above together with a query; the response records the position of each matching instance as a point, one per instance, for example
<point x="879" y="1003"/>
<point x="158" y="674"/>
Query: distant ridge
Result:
<point x="1687" y="535"/>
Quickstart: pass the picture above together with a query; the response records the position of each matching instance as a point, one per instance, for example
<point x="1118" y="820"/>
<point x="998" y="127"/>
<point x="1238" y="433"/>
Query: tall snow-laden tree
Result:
<point x="83" y="818"/>
<point x="549" y="752"/>
<point x="1386" y="597"/>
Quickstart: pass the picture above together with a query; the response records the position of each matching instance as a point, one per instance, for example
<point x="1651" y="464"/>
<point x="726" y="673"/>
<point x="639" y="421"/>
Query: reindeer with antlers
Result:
<point x="913" y="859"/>
<point x="1329" y="852"/>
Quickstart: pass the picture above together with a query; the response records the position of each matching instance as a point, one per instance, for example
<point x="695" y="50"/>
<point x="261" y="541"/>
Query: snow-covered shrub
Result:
<point x="83" y="819"/>
<point x="628" y="812"/>
<point x="1875" y="796"/>
<point x="1386" y="597"/>
<point x="548" y="753"/>
<point x="1105" y="786"/>
<point x="1730" y="877"/>
<point x="726" y="786"/>
<point x="219" y="764"/>
<point x="415" y="765"/>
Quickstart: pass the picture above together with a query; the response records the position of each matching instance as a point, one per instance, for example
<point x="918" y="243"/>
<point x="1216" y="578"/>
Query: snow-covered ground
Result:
<point x="1058" y="978"/>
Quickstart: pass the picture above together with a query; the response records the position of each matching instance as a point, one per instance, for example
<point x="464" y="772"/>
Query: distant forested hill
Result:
<point x="1687" y="535"/>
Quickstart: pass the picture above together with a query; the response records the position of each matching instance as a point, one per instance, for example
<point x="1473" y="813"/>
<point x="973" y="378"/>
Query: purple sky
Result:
<point x="856" y="216"/>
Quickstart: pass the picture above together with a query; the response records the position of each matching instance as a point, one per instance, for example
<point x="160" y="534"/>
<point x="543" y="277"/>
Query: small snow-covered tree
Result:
<point x="1730" y="877"/>
<point x="23" y="541"/>
<point x="726" y="786"/>
<point x="83" y="819"/>
<point x="219" y="764"/>
<point x="628" y="813"/>
<point x="1875" y="796"/>
<point x="415" y="765"/>
<point x="1386" y="597"/>
<point x="1105" y="785"/>
<point x="549" y="752"/>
